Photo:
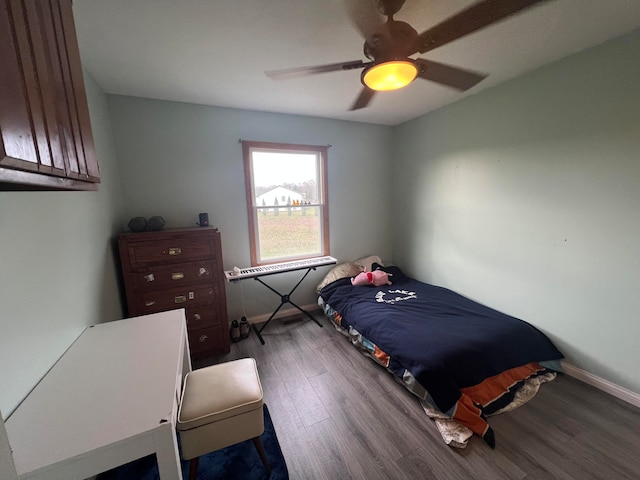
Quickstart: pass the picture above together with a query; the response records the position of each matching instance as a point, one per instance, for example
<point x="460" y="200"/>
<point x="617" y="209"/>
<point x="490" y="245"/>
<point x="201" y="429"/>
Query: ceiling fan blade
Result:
<point x="363" y="99"/>
<point x="477" y="16"/>
<point x="448" y="75"/>
<point x="304" y="71"/>
<point x="364" y="16"/>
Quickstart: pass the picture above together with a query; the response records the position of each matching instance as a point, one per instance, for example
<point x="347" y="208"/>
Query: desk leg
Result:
<point x="186" y="356"/>
<point x="167" y="452"/>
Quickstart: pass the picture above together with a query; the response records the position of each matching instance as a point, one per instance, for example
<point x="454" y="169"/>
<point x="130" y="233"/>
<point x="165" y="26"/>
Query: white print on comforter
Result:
<point x="407" y="295"/>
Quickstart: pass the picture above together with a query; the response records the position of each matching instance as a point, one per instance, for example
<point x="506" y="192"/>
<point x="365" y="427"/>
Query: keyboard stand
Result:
<point x="284" y="299"/>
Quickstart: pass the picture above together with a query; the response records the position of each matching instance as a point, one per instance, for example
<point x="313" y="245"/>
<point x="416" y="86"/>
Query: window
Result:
<point x="287" y="201"/>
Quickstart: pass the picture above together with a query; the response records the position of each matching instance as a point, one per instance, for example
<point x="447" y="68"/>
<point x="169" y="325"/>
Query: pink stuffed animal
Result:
<point x="363" y="278"/>
<point x="375" y="278"/>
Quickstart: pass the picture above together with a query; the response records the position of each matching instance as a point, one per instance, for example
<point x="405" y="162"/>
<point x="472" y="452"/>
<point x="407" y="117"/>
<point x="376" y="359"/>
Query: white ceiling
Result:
<point x="215" y="52"/>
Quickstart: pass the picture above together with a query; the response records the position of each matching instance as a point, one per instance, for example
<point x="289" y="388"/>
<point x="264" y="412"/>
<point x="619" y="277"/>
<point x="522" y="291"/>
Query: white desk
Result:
<point x="110" y="399"/>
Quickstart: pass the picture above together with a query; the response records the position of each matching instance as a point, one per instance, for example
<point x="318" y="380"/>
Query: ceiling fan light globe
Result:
<point x="391" y="75"/>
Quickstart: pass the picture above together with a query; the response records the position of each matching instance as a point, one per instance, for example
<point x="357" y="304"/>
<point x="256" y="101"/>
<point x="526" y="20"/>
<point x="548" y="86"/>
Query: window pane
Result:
<point x="296" y="172"/>
<point x="286" y="232"/>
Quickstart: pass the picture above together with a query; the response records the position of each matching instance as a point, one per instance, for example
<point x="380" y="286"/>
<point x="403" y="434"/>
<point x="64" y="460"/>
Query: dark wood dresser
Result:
<point x="179" y="268"/>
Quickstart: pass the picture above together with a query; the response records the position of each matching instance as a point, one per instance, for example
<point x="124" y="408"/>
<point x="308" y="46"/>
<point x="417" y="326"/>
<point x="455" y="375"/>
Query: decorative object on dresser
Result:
<point x="141" y="224"/>
<point x="179" y="268"/>
<point x="137" y="224"/>
<point x="155" y="223"/>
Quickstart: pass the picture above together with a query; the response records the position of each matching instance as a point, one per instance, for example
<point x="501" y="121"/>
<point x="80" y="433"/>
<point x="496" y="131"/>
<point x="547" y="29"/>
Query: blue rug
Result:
<point x="237" y="462"/>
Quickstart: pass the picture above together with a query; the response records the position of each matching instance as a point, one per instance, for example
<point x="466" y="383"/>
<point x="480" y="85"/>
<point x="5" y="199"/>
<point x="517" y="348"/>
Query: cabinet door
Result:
<point x="71" y="90"/>
<point x="44" y="118"/>
<point x="18" y="147"/>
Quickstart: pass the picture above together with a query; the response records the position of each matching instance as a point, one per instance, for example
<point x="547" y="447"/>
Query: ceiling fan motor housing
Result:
<point x="394" y="40"/>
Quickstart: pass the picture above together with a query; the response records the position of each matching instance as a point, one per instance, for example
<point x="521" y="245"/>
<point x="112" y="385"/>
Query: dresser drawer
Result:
<point x="183" y="297"/>
<point x="175" y="275"/>
<point x="205" y="342"/>
<point x="205" y="316"/>
<point x="174" y="250"/>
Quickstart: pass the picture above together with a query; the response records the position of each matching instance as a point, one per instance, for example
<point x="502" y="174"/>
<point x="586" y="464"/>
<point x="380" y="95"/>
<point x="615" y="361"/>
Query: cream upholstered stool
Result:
<point x="221" y="405"/>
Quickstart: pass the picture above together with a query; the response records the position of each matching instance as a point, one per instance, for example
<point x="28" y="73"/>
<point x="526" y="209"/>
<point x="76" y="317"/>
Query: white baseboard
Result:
<point x="601" y="384"/>
<point x="312" y="308"/>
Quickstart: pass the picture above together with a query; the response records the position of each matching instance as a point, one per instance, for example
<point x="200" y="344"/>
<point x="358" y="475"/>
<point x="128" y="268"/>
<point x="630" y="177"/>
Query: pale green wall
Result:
<point x="57" y="272"/>
<point x="527" y="198"/>
<point x="177" y="160"/>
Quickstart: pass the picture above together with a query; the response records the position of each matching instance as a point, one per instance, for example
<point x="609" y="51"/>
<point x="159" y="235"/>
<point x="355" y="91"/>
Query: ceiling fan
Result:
<point x="389" y="46"/>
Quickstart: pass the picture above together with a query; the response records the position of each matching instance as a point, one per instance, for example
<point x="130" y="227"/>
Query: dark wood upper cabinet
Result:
<point x="45" y="130"/>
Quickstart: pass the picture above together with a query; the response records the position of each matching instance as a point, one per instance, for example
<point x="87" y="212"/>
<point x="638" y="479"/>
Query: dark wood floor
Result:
<point x="338" y="415"/>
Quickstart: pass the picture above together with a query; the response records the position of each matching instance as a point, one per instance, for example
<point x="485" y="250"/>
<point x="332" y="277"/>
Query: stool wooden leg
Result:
<point x="193" y="468"/>
<point x="263" y="455"/>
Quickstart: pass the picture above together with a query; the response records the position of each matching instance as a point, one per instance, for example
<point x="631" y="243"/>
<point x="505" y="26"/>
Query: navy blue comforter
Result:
<point x="447" y="341"/>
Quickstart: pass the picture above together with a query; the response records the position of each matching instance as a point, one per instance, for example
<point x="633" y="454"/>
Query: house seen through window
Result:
<point x="287" y="201"/>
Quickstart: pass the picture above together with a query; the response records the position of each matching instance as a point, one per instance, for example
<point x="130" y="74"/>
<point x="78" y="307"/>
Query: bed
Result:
<point x="465" y="361"/>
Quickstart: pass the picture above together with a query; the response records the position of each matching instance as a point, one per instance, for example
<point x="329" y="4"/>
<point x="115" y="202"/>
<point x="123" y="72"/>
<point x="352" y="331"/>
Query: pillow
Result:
<point x="367" y="262"/>
<point x="343" y="270"/>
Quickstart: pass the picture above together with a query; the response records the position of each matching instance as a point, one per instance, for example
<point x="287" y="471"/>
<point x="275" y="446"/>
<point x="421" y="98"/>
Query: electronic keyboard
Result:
<point x="252" y="272"/>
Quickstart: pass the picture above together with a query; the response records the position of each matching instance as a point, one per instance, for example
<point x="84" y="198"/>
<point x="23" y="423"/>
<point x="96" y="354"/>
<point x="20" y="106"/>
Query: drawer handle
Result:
<point x="180" y="299"/>
<point x="150" y="277"/>
<point x="177" y="276"/>
<point x="203" y="338"/>
<point x="175" y="251"/>
<point x="197" y="316"/>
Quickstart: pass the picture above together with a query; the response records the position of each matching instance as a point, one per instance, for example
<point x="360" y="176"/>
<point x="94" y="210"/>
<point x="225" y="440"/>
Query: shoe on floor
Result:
<point x="234" y="331"/>
<point x="245" y="328"/>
